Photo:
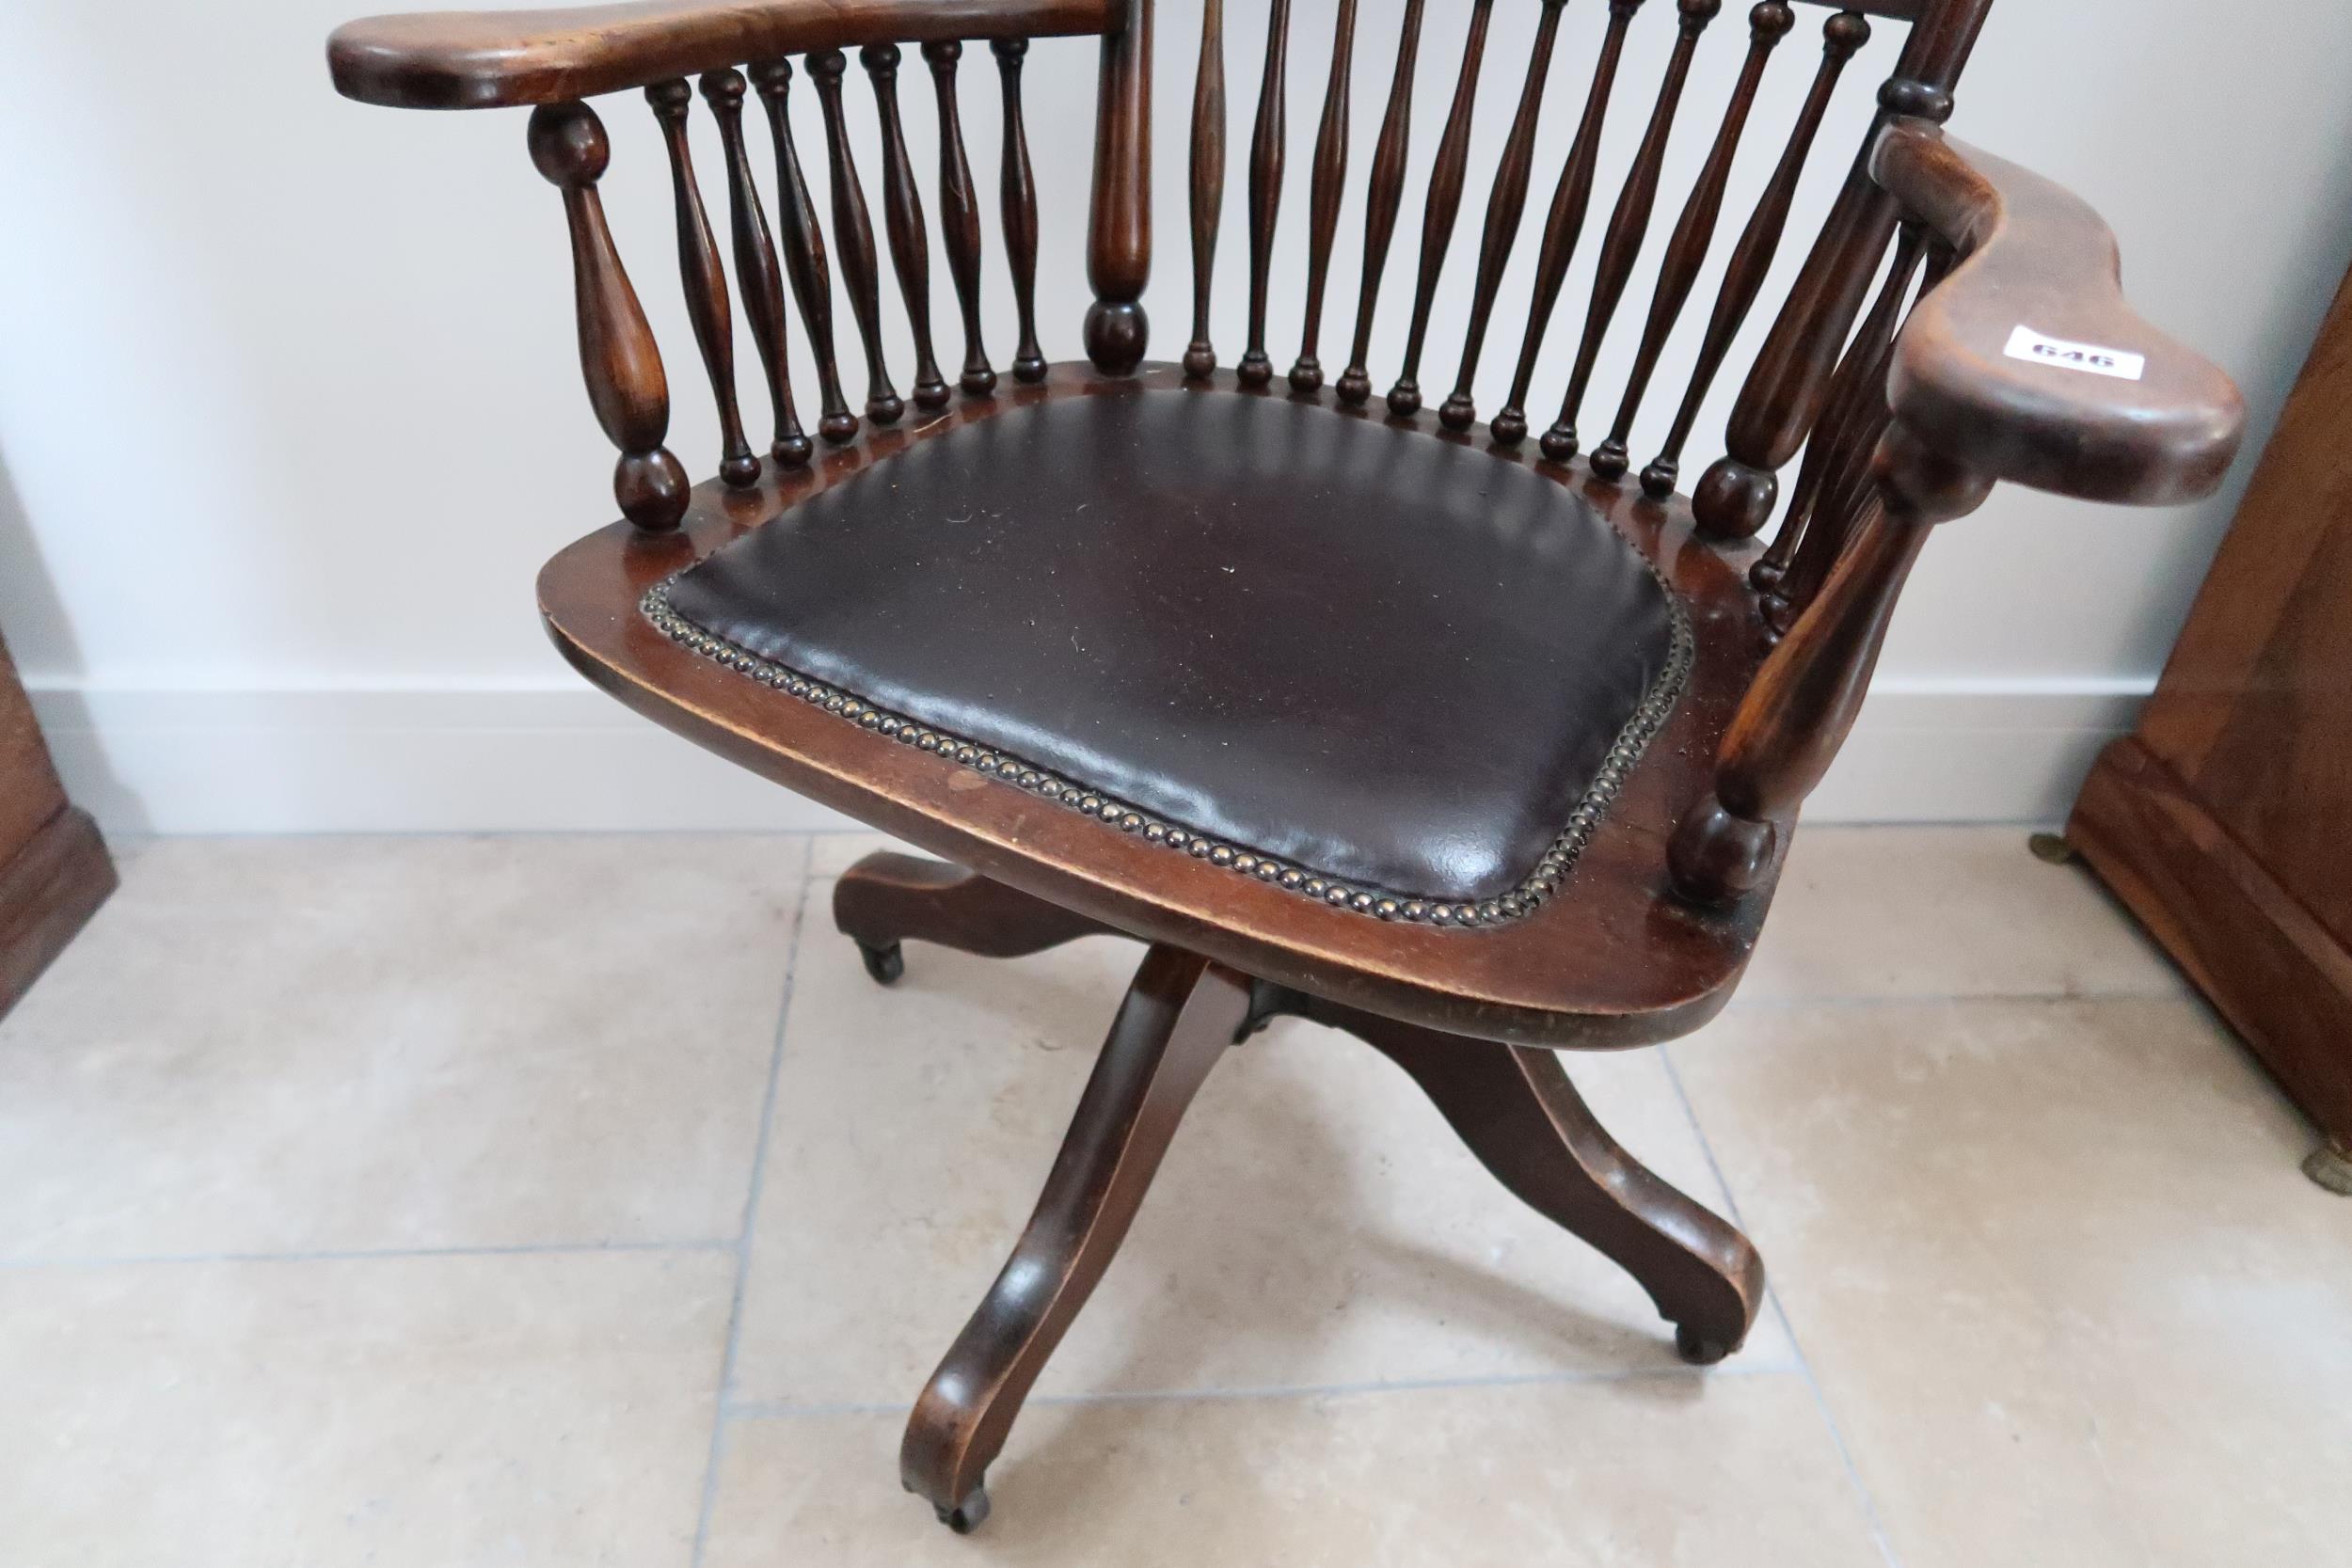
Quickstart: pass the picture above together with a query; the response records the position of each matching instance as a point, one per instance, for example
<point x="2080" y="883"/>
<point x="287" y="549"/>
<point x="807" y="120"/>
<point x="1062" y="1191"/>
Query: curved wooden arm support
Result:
<point x="2034" y="255"/>
<point x="489" y="59"/>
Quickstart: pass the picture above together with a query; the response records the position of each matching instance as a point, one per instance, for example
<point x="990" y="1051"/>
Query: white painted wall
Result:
<point x="289" y="412"/>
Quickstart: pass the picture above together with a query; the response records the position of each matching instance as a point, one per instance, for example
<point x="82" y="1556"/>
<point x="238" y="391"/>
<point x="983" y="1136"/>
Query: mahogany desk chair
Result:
<point x="1434" y="736"/>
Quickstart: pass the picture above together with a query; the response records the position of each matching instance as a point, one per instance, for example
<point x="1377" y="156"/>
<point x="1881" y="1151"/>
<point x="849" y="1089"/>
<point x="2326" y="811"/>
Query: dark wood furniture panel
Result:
<point x="2220" y="820"/>
<point x="54" y="868"/>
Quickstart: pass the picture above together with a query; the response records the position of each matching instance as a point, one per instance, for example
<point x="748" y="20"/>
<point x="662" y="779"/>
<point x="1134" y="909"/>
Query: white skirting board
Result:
<point x="546" y="760"/>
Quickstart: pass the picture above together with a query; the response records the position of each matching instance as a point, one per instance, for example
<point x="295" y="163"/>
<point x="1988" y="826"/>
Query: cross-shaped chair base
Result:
<point x="1514" y="1106"/>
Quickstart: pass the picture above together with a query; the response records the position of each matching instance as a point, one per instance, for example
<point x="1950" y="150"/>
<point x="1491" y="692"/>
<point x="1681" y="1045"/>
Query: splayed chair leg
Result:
<point x="1517" y="1110"/>
<point x="1180" y="1014"/>
<point x="887" y="897"/>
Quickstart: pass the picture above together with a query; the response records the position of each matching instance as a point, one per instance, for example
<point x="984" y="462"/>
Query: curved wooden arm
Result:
<point x="487" y="59"/>
<point x="2035" y="256"/>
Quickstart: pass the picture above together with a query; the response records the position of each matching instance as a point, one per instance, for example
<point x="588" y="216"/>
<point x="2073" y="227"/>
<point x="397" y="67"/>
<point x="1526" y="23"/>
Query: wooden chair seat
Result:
<point x="1154" y="642"/>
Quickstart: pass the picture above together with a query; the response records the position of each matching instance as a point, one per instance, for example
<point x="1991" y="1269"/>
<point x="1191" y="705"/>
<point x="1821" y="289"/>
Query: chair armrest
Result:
<point x="487" y="59"/>
<point x="2026" y="364"/>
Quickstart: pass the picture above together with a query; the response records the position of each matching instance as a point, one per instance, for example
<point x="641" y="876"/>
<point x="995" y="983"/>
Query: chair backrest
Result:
<point x="492" y="59"/>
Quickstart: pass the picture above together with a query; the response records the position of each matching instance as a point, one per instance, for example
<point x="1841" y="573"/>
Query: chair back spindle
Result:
<point x="755" y="264"/>
<point x="1759" y="243"/>
<point x="1383" y="201"/>
<point x="1504" y="208"/>
<point x="959" y="216"/>
<point x="706" y="282"/>
<point x="1208" y="181"/>
<point x="1789" y="382"/>
<point x="618" y="357"/>
<point x="1017" y="190"/>
<point x="1119" y="211"/>
<point x="853" y="235"/>
<point x="804" y="250"/>
<point x="1323" y="198"/>
<point x="1265" y="189"/>
<point x="1445" y="205"/>
<point x="1694" y="233"/>
<point x="902" y="222"/>
<point x="1570" y="200"/>
<point x="1630" y="223"/>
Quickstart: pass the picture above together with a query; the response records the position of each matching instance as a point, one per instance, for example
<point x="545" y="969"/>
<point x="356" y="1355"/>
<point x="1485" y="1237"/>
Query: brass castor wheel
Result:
<point x="2052" y="849"/>
<point x="2331" y="1166"/>
<point x="967" y="1515"/>
<point x="884" y="964"/>
<point x="1699" y="1350"/>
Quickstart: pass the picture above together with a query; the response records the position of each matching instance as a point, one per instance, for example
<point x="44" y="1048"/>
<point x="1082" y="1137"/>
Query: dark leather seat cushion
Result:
<point x="1383" y="658"/>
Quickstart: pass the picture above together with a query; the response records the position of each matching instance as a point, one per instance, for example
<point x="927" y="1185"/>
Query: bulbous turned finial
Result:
<point x="1116" y="333"/>
<point x="1733" y="500"/>
<point x="1844" y="33"/>
<point x="568" y="145"/>
<point x="1772" y="19"/>
<point x="880" y="59"/>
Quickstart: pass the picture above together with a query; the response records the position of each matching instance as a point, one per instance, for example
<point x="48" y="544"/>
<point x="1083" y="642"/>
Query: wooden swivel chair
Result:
<point x="1347" y="708"/>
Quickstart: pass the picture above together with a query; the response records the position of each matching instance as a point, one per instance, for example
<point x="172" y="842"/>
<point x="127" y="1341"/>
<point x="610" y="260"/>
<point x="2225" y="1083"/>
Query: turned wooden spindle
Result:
<point x="1628" y="224"/>
<point x="1845" y="486"/>
<point x="1570" y="200"/>
<point x="1803" y="702"/>
<point x="1323" y="201"/>
<point x="1694" y="233"/>
<point x="902" y="221"/>
<point x="1382" y="202"/>
<point x="1850" y="393"/>
<point x="853" y="233"/>
<point x="755" y="264"/>
<point x="804" y="250"/>
<point x="960" y="216"/>
<point x="1504" y="208"/>
<point x="1445" y="204"/>
<point x="618" y="357"/>
<point x="1017" y="192"/>
<point x="1208" y="181"/>
<point x="1786" y="388"/>
<point x="706" y="282"/>
<point x="1118" y="207"/>
<point x="1752" y="258"/>
<point x="1265" y="188"/>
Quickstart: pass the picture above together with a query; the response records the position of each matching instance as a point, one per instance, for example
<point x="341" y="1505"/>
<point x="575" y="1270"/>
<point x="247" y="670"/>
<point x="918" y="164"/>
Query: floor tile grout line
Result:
<point x="751" y="1215"/>
<point x="765" y="1410"/>
<point x="344" y="1255"/>
<point x="1788" y="1326"/>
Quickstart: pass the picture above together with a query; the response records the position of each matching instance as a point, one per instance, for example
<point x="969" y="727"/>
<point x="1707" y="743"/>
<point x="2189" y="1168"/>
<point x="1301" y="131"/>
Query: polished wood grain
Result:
<point x="1324" y="193"/>
<point x="2219" y="821"/>
<point x="960" y="216"/>
<point x="1118" y="218"/>
<point x="489" y="59"/>
<point x="804" y="250"/>
<point x="618" y="357"/>
<point x="1565" y="224"/>
<point x="756" y="269"/>
<point x="853" y="235"/>
<point x="1384" y="198"/>
<point x="1694" y="233"/>
<point x="1207" y="188"/>
<point x="1180" y="1015"/>
<point x="1017" y="202"/>
<point x="1445" y="203"/>
<point x="1759" y="244"/>
<point x="902" y="221"/>
<point x="1265" y="188"/>
<point x="1504" y="208"/>
<point x="55" y="871"/>
<point x="1628" y="224"/>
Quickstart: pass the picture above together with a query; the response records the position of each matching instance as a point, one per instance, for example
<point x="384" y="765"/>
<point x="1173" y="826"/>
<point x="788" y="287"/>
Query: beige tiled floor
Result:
<point x="548" y="1201"/>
